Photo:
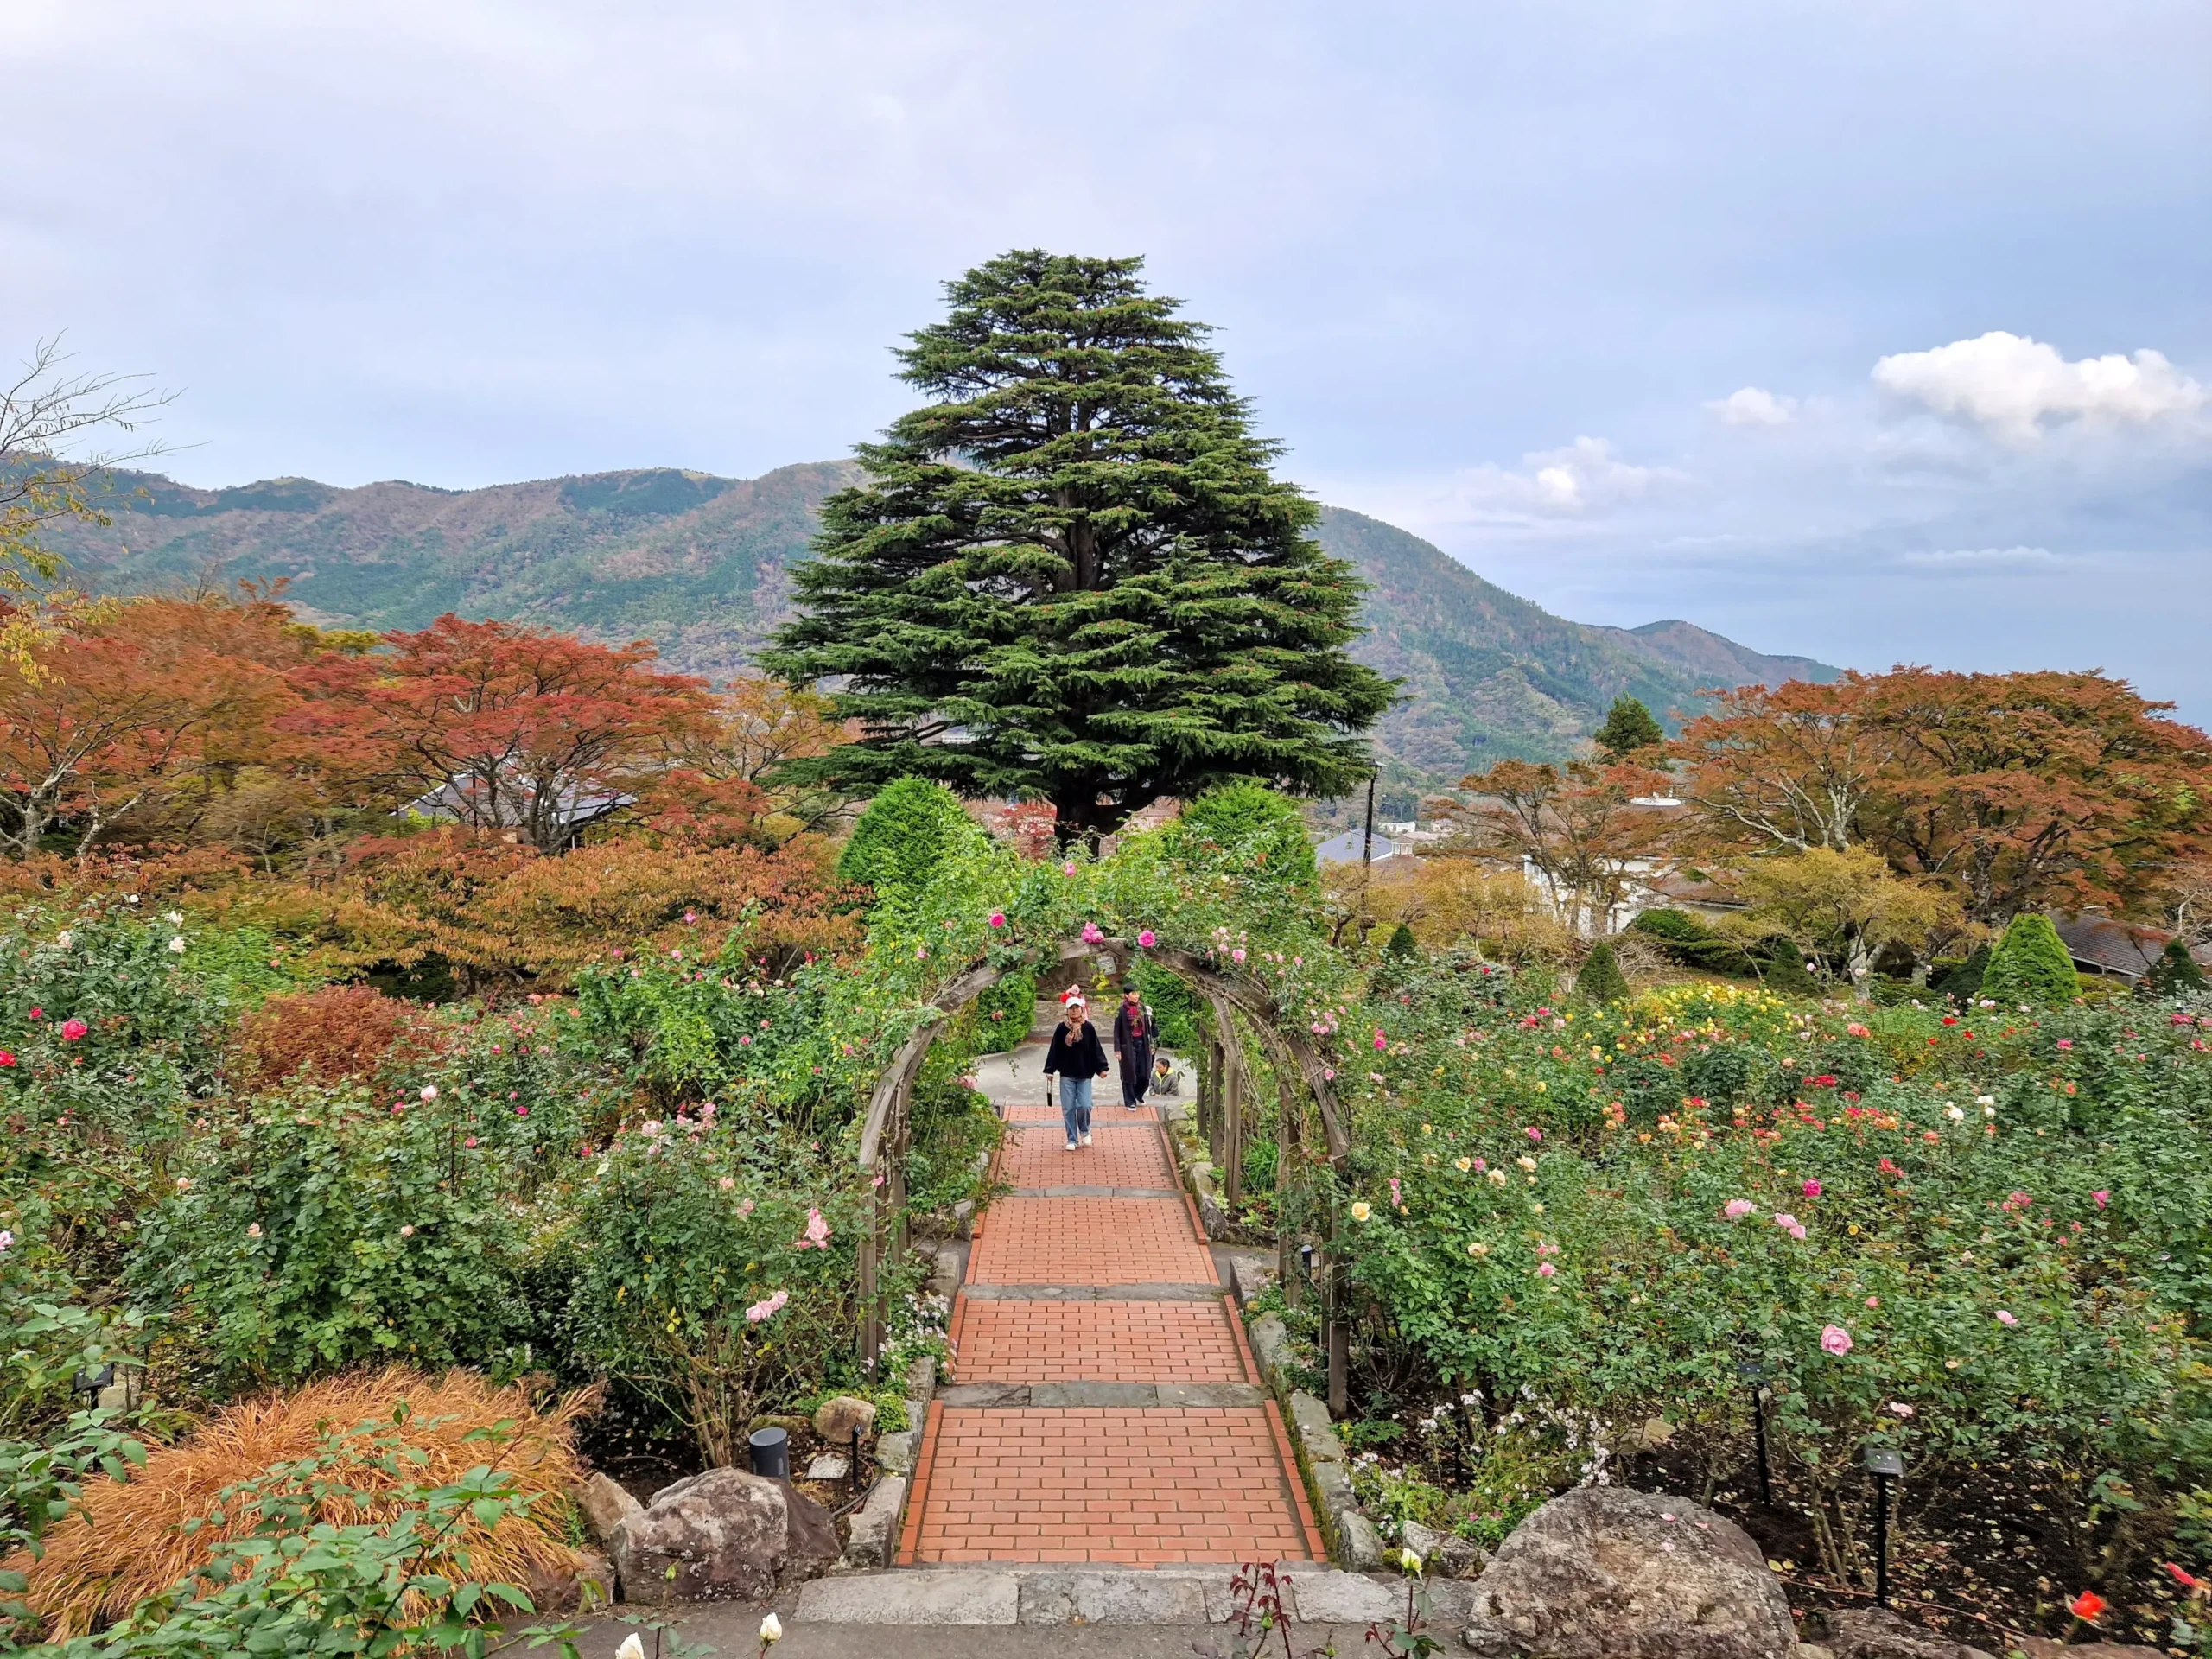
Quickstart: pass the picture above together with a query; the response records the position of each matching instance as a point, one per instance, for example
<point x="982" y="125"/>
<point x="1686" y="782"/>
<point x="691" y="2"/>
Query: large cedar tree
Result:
<point x="1072" y="576"/>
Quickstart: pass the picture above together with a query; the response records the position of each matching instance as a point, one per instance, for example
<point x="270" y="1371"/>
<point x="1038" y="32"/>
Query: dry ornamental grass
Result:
<point x="132" y="1541"/>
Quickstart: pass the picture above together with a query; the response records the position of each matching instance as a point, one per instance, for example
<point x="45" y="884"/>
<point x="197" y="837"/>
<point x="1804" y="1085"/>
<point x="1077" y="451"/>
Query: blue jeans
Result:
<point x="1075" y="1105"/>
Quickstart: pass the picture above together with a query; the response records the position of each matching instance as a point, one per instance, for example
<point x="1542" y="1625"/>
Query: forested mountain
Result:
<point x="698" y="564"/>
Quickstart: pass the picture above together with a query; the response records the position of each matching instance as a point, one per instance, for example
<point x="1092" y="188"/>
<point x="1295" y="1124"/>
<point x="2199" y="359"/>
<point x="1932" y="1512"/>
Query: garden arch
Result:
<point x="885" y="1130"/>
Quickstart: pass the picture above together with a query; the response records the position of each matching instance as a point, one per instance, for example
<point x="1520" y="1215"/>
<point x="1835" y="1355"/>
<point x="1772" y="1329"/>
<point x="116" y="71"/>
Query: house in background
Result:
<point x="2114" y="949"/>
<point x="556" y="824"/>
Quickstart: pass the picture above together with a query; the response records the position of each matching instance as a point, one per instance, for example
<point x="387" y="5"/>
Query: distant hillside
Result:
<point x="1711" y="660"/>
<point x="698" y="564"/>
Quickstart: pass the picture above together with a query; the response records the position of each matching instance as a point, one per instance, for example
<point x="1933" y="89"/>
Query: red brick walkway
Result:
<point x="1134" y="1485"/>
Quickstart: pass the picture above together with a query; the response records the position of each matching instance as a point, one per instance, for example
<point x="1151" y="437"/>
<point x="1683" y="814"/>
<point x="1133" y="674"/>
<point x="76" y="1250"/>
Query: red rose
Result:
<point x="73" y="1029"/>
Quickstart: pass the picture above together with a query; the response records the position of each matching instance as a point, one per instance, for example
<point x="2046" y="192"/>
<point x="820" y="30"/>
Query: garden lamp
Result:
<point x="1886" y="1465"/>
<point x="771" y="1452"/>
<point x="90" y="1381"/>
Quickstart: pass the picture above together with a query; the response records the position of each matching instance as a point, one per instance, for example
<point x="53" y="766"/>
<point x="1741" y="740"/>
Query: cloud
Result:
<point x="1753" y="406"/>
<point x="1583" y="479"/>
<point x="1984" y="558"/>
<point x="2011" y="384"/>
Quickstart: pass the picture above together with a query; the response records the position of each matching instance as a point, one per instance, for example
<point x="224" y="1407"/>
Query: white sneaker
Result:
<point x="1086" y="1140"/>
<point x="1070" y="1146"/>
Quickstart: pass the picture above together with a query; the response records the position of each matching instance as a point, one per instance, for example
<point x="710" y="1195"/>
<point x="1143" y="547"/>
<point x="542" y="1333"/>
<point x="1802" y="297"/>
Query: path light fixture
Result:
<point x="1755" y="1375"/>
<point x="771" y="1452"/>
<point x="1886" y="1465"/>
<point x="90" y="1381"/>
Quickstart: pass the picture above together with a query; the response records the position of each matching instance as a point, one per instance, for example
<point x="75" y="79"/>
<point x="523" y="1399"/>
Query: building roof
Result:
<point x="2120" y="949"/>
<point x="1345" y="848"/>
<point x="465" y="800"/>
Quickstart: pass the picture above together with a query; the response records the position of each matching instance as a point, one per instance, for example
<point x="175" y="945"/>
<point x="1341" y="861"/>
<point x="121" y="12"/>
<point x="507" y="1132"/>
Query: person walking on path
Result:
<point x="1132" y="1048"/>
<point x="1079" y="1059"/>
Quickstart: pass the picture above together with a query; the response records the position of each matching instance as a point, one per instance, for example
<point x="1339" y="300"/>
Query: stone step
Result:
<point x="1108" y="1396"/>
<point x="1153" y="1291"/>
<point x="1062" y="1595"/>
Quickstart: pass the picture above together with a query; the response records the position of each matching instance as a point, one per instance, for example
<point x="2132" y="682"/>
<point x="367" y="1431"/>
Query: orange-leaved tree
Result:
<point x="120" y="708"/>
<point x="1584" y="831"/>
<point x="2037" y="789"/>
<point x="511" y="729"/>
<point x="1786" y="768"/>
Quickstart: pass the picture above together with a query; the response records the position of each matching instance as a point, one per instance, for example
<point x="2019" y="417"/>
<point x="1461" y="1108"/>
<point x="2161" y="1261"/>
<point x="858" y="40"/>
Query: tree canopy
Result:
<point x="1072" y="576"/>
<point x="1629" y="726"/>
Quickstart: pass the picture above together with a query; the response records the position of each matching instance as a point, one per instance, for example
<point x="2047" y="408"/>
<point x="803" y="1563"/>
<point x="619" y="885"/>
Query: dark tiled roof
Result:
<point x="2120" y="949"/>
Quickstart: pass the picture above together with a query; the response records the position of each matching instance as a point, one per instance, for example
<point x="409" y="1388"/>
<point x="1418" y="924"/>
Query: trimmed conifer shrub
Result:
<point x="904" y="835"/>
<point x="2174" y="972"/>
<point x="1963" y="983"/>
<point x="1785" y="970"/>
<point x="2032" y="964"/>
<point x="1600" y="979"/>
<point x="1402" y="943"/>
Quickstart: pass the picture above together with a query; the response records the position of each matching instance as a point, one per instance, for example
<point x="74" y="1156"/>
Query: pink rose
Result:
<point x="2005" y="1318"/>
<point x="1544" y="1270"/>
<point x="1536" y="1134"/>
<point x="1737" y="1209"/>
<point x="1145" y="938"/>
<point x="2100" y="1198"/>
<point x="1898" y="1409"/>
<point x="1836" y="1340"/>
<point x="2066" y="1042"/>
<point x="998" y="918"/>
<point x="1381" y="1041"/>
<point x="1068" y="868"/>
<point x="1857" y="1030"/>
<point x="1811" y="1189"/>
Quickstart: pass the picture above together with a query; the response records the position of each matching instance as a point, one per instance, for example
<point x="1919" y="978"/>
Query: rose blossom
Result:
<point x="1836" y="1340"/>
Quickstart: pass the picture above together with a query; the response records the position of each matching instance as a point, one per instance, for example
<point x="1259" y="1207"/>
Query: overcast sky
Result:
<point x="1877" y="329"/>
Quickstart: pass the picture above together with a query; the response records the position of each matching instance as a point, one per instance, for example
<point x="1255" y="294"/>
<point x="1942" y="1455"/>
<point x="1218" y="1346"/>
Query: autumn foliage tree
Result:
<point x="2015" y="790"/>
<point x="513" y="729"/>
<point x="1583" y="831"/>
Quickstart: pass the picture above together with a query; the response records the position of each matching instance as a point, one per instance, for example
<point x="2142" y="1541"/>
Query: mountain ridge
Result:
<point x="700" y="565"/>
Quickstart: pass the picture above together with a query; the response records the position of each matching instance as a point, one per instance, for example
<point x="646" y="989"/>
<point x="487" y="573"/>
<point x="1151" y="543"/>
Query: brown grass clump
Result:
<point x="131" y="1540"/>
<point x="330" y="1035"/>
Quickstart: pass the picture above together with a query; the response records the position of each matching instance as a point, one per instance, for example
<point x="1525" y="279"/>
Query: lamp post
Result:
<point x="1885" y="1466"/>
<point x="1754" y="1375"/>
<point x="90" y="1381"/>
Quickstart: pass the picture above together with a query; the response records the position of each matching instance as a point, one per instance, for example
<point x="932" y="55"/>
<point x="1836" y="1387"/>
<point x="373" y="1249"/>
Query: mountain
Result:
<point x="699" y="565"/>
<point x="1712" y="660"/>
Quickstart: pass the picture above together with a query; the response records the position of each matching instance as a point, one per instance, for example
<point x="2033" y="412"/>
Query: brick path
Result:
<point x="1137" y="1485"/>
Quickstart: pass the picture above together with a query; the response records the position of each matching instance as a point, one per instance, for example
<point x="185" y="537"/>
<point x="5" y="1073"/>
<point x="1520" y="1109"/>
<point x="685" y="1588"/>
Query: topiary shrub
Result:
<point x="1785" y="970"/>
<point x="906" y="832"/>
<point x="1600" y="979"/>
<point x="1401" y="942"/>
<point x="1694" y="944"/>
<point x="2031" y="964"/>
<point x="1962" y="983"/>
<point x="1250" y="826"/>
<point x="2174" y="972"/>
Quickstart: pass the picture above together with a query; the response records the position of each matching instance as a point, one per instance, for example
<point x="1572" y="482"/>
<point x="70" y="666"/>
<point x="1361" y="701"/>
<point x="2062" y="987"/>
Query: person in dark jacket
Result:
<point x="1132" y="1048"/>
<point x="1078" y="1059"/>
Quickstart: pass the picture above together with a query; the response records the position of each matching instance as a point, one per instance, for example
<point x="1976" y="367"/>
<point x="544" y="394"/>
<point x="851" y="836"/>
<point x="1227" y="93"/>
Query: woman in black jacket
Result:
<point x="1132" y="1048"/>
<point x="1078" y="1058"/>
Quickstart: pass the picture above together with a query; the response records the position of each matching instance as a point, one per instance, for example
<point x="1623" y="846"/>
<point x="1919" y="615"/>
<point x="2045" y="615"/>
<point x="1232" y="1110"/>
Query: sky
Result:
<point x="1876" y="330"/>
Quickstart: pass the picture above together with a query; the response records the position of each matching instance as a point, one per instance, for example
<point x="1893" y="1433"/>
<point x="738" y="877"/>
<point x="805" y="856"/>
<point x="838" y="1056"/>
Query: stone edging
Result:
<point x="1354" y="1544"/>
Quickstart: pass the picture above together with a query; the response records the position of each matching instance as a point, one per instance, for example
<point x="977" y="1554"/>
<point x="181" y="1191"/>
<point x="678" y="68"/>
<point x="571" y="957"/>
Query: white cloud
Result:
<point x="1984" y="558"/>
<point x="2011" y="385"/>
<point x="1581" y="480"/>
<point x="1753" y="406"/>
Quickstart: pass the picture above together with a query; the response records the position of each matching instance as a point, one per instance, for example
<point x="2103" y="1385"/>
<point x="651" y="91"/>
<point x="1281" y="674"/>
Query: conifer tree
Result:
<point x="1600" y="979"/>
<point x="2174" y="972"/>
<point x="1629" y="726"/>
<point x="1072" y="576"/>
<point x="2032" y="964"/>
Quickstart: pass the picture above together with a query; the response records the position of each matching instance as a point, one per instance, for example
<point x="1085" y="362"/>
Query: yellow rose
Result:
<point x="1360" y="1209"/>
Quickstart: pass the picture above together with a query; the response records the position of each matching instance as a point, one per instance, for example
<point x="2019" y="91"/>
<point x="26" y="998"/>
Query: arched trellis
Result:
<point x="885" y="1131"/>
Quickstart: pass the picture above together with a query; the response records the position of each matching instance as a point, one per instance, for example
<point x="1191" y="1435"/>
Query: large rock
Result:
<point x="603" y="1502"/>
<point x="1878" y="1633"/>
<point x="840" y="1419"/>
<point x="729" y="1535"/>
<point x="1606" y="1573"/>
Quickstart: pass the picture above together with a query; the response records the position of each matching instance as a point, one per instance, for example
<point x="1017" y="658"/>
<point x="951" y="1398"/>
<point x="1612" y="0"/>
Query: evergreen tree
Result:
<point x="1401" y="942"/>
<point x="2174" y="972"/>
<point x="904" y="835"/>
<point x="2032" y="964"/>
<point x="1072" y="576"/>
<point x="1963" y="983"/>
<point x="1600" y="979"/>
<point x="1629" y="726"/>
<point x="1786" y="971"/>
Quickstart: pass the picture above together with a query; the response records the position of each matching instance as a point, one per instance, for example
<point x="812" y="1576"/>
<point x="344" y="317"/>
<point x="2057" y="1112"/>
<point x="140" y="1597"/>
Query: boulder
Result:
<point x="729" y="1535"/>
<point x="838" y="1420"/>
<point x="602" y="1504"/>
<point x="1878" y="1633"/>
<point x="585" y="1585"/>
<point x="2044" y="1647"/>
<point x="1608" y="1573"/>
